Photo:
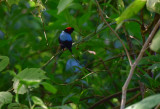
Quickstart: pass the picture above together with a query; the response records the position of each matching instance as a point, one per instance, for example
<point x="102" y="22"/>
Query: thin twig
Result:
<point x="124" y="88"/>
<point x="44" y="30"/>
<point x="111" y="96"/>
<point x="100" y="11"/>
<point x="38" y="52"/>
<point x="60" y="52"/>
<point x="142" y="26"/>
<point x="65" y="84"/>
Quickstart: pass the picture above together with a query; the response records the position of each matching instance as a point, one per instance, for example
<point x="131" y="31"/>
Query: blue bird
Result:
<point x="65" y="38"/>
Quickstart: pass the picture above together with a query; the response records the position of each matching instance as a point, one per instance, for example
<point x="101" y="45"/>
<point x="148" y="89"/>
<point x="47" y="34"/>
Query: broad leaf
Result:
<point x="4" y="60"/>
<point x="17" y="106"/>
<point x="155" y="45"/>
<point x="147" y="103"/>
<point x="131" y="10"/>
<point x="153" y="5"/>
<point x="31" y="76"/>
<point x="49" y="87"/>
<point x="63" y="4"/>
<point x="11" y="2"/>
<point x="5" y="98"/>
<point x="38" y="101"/>
<point x="120" y="5"/>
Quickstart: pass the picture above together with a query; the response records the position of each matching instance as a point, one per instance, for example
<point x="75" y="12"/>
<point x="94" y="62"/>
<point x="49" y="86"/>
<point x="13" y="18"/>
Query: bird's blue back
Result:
<point x="65" y="36"/>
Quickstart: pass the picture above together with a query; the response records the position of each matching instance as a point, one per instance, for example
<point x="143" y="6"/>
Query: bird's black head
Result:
<point x="69" y="30"/>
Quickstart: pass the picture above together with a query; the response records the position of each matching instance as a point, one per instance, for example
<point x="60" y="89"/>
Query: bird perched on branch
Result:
<point x="65" y="39"/>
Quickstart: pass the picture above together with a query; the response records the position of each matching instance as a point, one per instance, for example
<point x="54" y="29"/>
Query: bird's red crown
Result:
<point x="69" y="28"/>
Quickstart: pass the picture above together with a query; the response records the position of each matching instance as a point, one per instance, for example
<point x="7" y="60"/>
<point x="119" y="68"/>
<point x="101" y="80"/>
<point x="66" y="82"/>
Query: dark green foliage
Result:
<point x="64" y="84"/>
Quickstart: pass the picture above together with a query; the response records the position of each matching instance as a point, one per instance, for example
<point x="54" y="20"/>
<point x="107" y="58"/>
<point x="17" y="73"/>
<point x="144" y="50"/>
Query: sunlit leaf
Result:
<point x="120" y="4"/>
<point x="131" y="10"/>
<point x="31" y="76"/>
<point x="153" y="6"/>
<point x="38" y="101"/>
<point x="147" y="103"/>
<point x="155" y="45"/>
<point x="16" y="85"/>
<point x="5" y="98"/>
<point x="63" y="4"/>
<point x="32" y="3"/>
<point x="11" y="2"/>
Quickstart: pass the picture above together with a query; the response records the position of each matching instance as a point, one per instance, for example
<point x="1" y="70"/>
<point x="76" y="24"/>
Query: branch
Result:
<point x="54" y="56"/>
<point x="124" y="88"/>
<point x="44" y="29"/>
<point x="129" y="101"/>
<point x="100" y="11"/>
<point x="111" y="96"/>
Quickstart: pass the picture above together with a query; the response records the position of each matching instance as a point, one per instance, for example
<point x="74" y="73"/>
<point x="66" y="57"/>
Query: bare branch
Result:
<point x="124" y="89"/>
<point x="130" y="100"/>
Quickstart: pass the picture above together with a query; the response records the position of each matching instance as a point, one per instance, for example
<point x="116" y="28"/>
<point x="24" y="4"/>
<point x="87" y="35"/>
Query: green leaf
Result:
<point x="38" y="101"/>
<point x="75" y="99"/>
<point x="32" y="4"/>
<point x="149" y="60"/>
<point x="62" y="107"/>
<point x="99" y="26"/>
<point x="31" y="76"/>
<point x="17" y="106"/>
<point x="63" y="4"/>
<point x="66" y="98"/>
<point x="155" y="45"/>
<point x="133" y="32"/>
<point x="5" y="98"/>
<point x="147" y="103"/>
<point x="154" y="66"/>
<point x="120" y="4"/>
<point x="11" y="2"/>
<point x="153" y="5"/>
<point x="131" y="10"/>
<point x="4" y="61"/>
<point x="49" y="87"/>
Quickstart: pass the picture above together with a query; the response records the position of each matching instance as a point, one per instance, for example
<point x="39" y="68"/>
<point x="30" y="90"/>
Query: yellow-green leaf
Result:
<point x="131" y="10"/>
<point x="155" y="45"/>
<point x="63" y="4"/>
